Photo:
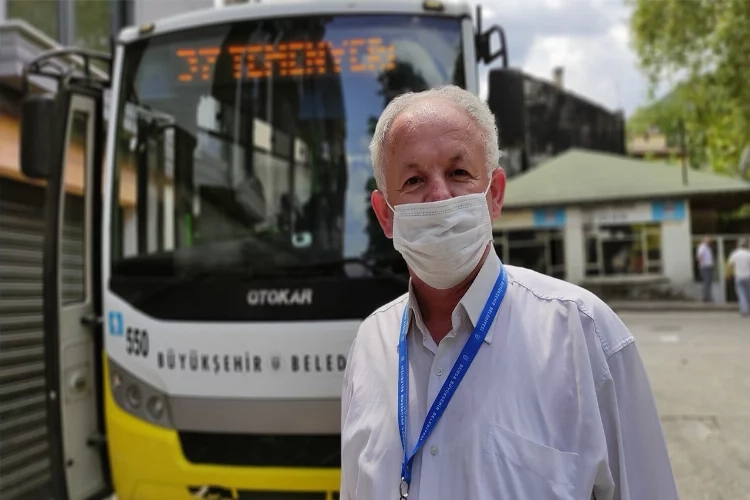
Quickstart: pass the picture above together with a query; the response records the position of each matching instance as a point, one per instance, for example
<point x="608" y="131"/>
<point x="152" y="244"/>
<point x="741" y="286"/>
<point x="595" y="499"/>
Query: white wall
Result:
<point x="575" y="250"/>
<point x="677" y="251"/>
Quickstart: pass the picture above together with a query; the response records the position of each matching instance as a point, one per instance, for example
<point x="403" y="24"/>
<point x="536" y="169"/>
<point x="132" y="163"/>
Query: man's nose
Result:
<point x="437" y="189"/>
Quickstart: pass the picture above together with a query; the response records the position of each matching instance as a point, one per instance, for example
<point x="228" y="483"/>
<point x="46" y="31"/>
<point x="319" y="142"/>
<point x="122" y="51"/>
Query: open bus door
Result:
<point x="61" y="143"/>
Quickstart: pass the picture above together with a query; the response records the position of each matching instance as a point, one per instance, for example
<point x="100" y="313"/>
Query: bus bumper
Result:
<point x="147" y="463"/>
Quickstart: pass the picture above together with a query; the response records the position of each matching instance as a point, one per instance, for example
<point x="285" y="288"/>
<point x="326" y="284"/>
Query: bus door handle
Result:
<point x="91" y="320"/>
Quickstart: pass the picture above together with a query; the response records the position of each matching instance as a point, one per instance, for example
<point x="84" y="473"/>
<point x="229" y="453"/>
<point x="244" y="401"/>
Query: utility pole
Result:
<point x="683" y="153"/>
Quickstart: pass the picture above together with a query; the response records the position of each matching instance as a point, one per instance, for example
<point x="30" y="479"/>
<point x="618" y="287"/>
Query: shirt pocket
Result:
<point x="521" y="468"/>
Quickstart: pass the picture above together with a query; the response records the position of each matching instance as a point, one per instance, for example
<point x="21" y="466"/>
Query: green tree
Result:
<point x="93" y="23"/>
<point x="703" y="43"/>
<point x="42" y="14"/>
<point x="668" y="115"/>
<point x="664" y="114"/>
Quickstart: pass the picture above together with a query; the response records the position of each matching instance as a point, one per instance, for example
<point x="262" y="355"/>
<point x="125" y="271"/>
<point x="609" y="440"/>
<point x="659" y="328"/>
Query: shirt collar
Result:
<point x="479" y="292"/>
<point x="474" y="299"/>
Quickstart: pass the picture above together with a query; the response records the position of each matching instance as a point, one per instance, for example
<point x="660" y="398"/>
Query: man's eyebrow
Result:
<point x="458" y="157"/>
<point x="410" y="165"/>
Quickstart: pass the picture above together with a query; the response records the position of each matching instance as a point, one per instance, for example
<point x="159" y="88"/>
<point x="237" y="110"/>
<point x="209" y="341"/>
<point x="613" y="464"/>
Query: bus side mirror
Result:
<point x="39" y="124"/>
<point x="484" y="46"/>
<point x="483" y="43"/>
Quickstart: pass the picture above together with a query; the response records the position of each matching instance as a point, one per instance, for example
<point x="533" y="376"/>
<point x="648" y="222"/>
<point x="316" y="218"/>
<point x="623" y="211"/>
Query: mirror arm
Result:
<point x="74" y="55"/>
<point x="479" y="18"/>
<point x="483" y="46"/>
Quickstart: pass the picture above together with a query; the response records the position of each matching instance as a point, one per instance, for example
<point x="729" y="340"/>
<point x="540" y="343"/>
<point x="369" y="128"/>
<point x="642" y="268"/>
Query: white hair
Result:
<point x="475" y="107"/>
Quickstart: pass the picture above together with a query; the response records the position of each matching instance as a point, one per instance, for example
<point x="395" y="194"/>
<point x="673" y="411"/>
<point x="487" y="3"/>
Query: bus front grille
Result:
<point x="218" y="492"/>
<point x="275" y="495"/>
<point x="254" y="450"/>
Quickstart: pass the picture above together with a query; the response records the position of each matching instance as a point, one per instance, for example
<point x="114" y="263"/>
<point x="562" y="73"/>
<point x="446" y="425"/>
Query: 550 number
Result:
<point x="136" y="342"/>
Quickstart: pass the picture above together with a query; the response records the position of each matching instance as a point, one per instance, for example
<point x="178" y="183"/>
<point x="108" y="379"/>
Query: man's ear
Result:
<point x="382" y="212"/>
<point x="497" y="192"/>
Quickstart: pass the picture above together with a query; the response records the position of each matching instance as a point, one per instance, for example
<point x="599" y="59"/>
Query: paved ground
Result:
<point x="699" y="366"/>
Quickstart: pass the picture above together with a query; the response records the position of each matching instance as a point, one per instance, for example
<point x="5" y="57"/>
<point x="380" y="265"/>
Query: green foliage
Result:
<point x="92" y="20"/>
<point x="42" y="14"/>
<point x="704" y="44"/>
<point x="663" y="114"/>
<point x="93" y="23"/>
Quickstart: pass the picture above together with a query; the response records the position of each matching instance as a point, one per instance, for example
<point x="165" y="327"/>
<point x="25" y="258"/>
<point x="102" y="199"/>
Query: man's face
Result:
<point x="435" y="152"/>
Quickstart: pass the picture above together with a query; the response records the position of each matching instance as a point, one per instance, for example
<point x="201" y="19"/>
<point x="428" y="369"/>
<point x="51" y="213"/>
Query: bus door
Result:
<point x="61" y="143"/>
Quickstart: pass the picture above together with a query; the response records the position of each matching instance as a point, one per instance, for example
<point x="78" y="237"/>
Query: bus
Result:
<point x="230" y="252"/>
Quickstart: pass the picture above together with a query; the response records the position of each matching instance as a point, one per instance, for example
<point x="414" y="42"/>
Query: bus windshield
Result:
<point x="245" y="145"/>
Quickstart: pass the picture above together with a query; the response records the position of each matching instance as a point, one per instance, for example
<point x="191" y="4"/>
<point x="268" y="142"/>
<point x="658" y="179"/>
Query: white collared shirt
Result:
<point x="705" y="255"/>
<point x="740" y="259"/>
<point x="556" y="404"/>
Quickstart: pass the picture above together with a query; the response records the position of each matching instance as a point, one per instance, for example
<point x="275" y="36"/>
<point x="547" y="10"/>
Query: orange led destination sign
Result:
<point x="355" y="55"/>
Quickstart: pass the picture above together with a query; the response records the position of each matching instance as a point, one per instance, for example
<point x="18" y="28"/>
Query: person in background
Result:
<point x="484" y="381"/>
<point x="739" y="266"/>
<point x="705" y="257"/>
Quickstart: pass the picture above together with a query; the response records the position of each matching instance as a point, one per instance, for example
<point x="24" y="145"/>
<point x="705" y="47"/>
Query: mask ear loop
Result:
<point x="389" y="205"/>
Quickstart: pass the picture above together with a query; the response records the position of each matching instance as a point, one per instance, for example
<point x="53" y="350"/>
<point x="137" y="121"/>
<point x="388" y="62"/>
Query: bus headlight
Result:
<point x="138" y="398"/>
<point x="156" y="407"/>
<point x="133" y="396"/>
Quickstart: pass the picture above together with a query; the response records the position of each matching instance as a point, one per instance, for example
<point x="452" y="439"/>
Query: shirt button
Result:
<point x="434" y="449"/>
<point x="439" y="371"/>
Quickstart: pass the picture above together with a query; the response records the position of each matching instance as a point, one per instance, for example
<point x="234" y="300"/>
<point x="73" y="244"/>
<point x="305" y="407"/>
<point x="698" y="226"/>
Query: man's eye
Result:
<point x="411" y="181"/>
<point x="459" y="172"/>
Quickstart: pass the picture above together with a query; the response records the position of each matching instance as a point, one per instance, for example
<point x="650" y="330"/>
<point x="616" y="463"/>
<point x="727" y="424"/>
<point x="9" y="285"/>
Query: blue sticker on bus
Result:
<point x="115" y="323"/>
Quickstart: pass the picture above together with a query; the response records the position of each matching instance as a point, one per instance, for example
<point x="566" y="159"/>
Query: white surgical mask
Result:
<point x="443" y="241"/>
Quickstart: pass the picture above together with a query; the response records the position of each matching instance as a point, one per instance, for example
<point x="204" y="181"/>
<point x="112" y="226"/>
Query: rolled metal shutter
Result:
<point x="24" y="461"/>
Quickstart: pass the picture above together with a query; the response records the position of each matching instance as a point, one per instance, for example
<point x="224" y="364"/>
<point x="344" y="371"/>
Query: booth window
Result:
<point x="623" y="250"/>
<point x="540" y="250"/>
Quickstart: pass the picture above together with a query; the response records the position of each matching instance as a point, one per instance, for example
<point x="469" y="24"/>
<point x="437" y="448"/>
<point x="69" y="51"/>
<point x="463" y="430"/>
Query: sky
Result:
<point x="589" y="38"/>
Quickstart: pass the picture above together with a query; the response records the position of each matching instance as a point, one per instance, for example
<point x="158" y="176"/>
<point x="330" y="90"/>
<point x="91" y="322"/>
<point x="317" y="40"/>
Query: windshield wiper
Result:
<point x="375" y="267"/>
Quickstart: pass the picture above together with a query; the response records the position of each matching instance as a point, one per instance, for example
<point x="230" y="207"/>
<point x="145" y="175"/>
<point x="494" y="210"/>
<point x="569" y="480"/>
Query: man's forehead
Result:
<point x="428" y="111"/>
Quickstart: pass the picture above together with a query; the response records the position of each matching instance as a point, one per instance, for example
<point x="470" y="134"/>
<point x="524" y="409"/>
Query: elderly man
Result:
<point x="484" y="381"/>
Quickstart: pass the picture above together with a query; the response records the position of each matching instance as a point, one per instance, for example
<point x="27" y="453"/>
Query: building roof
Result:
<point x="579" y="177"/>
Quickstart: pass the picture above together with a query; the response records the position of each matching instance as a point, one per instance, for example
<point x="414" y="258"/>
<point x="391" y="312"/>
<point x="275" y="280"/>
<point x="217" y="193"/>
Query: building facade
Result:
<point x="539" y="119"/>
<point x="618" y="226"/>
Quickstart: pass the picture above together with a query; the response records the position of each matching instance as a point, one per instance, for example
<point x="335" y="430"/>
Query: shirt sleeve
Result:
<point x="639" y="466"/>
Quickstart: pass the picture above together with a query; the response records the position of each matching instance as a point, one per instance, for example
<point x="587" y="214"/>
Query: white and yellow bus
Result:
<point x="204" y="356"/>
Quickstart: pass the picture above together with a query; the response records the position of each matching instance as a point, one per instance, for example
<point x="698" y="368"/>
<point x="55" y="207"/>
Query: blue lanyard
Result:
<point x="462" y="364"/>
